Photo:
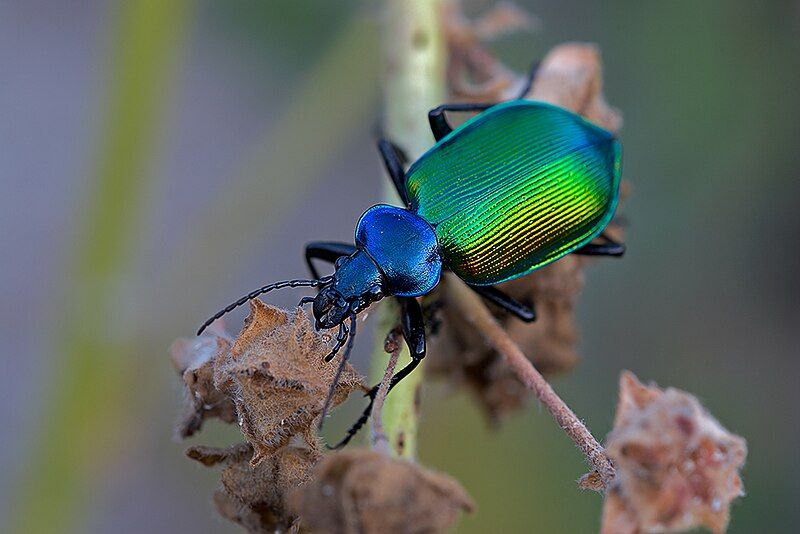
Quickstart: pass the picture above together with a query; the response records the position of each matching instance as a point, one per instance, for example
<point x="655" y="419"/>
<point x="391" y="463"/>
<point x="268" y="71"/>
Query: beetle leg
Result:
<point x="394" y="159"/>
<point x="505" y="301"/>
<point x="413" y="324"/>
<point x="326" y="251"/>
<point x="439" y="125"/>
<point x="523" y="93"/>
<point x="609" y="248"/>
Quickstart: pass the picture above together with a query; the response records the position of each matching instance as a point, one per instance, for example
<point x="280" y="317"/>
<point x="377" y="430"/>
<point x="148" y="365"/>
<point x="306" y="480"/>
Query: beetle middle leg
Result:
<point x="507" y="302"/>
<point x="328" y="251"/>
<point x="609" y="248"/>
<point x="412" y="323"/>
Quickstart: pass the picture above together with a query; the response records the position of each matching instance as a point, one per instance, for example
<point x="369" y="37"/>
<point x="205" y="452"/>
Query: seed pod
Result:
<point x="677" y="467"/>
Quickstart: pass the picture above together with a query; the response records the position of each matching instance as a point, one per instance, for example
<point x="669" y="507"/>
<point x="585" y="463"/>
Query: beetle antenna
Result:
<point x="339" y="371"/>
<point x="260" y="291"/>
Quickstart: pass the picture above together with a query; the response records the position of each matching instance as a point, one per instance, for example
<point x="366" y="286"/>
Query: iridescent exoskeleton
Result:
<point x="514" y="188"/>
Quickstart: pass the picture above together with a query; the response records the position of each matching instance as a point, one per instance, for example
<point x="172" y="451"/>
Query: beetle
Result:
<point x="514" y="188"/>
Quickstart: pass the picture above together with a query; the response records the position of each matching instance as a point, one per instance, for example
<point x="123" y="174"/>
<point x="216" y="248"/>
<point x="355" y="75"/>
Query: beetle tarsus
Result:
<point x="413" y="326"/>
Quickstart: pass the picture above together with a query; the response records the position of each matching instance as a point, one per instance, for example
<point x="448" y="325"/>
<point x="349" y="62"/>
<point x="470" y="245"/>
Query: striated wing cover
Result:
<point x="516" y="188"/>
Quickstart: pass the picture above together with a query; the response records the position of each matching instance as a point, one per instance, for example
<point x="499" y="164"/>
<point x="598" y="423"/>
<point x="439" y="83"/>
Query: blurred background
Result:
<point x="158" y="158"/>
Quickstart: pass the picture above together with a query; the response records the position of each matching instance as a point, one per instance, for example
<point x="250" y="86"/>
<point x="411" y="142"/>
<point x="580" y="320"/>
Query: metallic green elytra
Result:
<point x="515" y="188"/>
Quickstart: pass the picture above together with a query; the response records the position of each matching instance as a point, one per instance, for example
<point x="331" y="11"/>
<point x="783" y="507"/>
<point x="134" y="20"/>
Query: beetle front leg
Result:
<point x="326" y="251"/>
<point x="507" y="302"/>
<point x="412" y="323"/>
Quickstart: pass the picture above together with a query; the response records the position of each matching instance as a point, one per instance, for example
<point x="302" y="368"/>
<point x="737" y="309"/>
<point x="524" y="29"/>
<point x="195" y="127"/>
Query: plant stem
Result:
<point x="474" y="311"/>
<point x="414" y="82"/>
<point x="380" y="442"/>
<point x="93" y="365"/>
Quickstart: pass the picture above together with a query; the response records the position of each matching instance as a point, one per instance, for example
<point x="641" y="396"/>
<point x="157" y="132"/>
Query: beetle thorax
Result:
<point x="404" y="248"/>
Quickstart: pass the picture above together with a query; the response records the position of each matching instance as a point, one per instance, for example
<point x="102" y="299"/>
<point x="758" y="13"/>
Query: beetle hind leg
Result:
<point x="439" y="125"/>
<point x="436" y="117"/>
<point x="395" y="161"/>
<point x="609" y="248"/>
<point x="523" y="312"/>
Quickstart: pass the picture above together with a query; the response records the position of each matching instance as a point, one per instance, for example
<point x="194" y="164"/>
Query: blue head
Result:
<point x="397" y="254"/>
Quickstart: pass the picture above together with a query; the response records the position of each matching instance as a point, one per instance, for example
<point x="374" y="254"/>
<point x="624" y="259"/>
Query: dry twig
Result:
<point x="472" y="308"/>
<point x="380" y="441"/>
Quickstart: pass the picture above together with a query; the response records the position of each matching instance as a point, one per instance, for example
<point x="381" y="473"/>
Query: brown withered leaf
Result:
<point x="363" y="491"/>
<point x="277" y="377"/>
<point x="472" y="71"/>
<point x="677" y="467"/>
<point x="501" y="19"/>
<point x="256" y="497"/>
<point x="194" y="359"/>
<point x="570" y="76"/>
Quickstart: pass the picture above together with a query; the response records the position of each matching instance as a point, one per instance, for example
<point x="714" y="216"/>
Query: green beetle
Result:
<point x="511" y="190"/>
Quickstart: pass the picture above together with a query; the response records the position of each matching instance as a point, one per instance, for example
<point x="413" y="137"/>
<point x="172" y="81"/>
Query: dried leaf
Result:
<point x="472" y="71"/>
<point x="503" y="18"/>
<point x="677" y="467"/>
<point x="571" y="76"/>
<point x="194" y="359"/>
<point x="277" y="377"/>
<point x="255" y="497"/>
<point x="363" y="491"/>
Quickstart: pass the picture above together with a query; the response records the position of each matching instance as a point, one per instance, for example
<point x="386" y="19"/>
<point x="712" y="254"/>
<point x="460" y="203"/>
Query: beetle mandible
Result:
<point x="514" y="188"/>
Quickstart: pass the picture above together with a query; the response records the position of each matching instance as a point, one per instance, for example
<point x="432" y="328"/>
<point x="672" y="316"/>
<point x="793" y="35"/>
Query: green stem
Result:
<point x="84" y="416"/>
<point x="414" y="82"/>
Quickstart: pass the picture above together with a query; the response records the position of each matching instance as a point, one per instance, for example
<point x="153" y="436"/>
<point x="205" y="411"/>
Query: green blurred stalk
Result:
<point x="414" y="82"/>
<point x="336" y="98"/>
<point x="85" y="415"/>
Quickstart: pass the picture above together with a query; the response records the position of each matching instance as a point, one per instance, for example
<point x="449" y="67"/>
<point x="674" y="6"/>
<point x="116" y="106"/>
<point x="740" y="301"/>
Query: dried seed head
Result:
<point x="255" y="497"/>
<point x="277" y="377"/>
<point x="194" y="359"/>
<point x="359" y="490"/>
<point x="677" y="467"/>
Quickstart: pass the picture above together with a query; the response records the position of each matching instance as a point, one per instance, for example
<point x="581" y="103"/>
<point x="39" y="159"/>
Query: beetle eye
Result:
<point x="339" y="261"/>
